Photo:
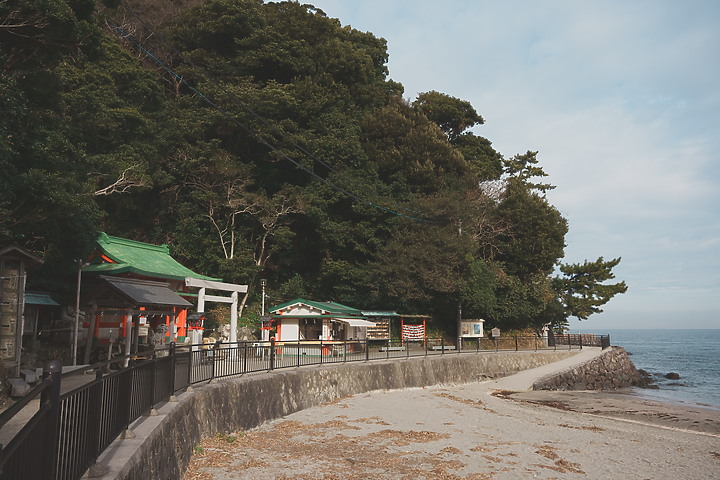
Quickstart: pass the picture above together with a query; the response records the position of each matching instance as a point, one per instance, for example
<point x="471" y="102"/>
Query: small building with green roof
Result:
<point x="122" y="257"/>
<point x="309" y="321"/>
<point x="135" y="289"/>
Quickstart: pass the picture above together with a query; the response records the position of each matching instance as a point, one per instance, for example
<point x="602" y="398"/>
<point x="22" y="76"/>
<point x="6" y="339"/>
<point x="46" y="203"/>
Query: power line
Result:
<point x="264" y="142"/>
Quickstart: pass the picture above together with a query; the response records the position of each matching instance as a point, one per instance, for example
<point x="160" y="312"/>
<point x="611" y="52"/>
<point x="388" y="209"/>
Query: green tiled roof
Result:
<point x="332" y="308"/>
<point x="139" y="258"/>
<point x="40" y="299"/>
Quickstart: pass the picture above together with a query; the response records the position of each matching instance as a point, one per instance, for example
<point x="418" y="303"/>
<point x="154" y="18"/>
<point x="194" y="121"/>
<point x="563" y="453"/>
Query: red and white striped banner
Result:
<point x="413" y="332"/>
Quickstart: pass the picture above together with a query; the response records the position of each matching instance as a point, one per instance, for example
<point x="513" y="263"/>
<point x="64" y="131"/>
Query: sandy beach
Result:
<point x="475" y="431"/>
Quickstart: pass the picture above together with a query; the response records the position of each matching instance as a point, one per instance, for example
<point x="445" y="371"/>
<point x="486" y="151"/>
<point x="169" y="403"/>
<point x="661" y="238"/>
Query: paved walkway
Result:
<point x="523" y="381"/>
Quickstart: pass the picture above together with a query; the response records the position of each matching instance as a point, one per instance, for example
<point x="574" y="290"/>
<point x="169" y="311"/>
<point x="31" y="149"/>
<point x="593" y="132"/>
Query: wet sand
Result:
<point x="475" y="431"/>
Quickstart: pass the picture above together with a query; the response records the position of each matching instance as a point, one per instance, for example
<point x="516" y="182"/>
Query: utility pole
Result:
<point x="265" y="333"/>
<point x="459" y="303"/>
<point x="77" y="314"/>
<point x="263" y="282"/>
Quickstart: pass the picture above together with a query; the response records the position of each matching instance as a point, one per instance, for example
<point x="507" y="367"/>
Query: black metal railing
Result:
<point x="20" y="459"/>
<point x="580" y="339"/>
<point x="74" y="428"/>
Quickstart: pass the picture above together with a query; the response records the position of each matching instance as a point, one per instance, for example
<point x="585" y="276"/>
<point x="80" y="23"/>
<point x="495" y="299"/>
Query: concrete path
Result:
<point x="523" y="381"/>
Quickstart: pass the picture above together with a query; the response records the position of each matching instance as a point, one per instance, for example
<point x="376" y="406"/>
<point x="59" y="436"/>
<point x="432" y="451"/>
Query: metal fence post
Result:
<point x="272" y="353"/>
<point x="94" y="420"/>
<point x="51" y="397"/>
<point x="173" y="368"/>
<point x="191" y="362"/>
<point x="245" y="357"/>
<point x="216" y="352"/>
<point x="367" y="350"/>
<point x="153" y="374"/>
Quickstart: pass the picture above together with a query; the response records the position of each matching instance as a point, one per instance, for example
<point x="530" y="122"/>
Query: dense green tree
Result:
<point x="535" y="241"/>
<point x="484" y="162"/>
<point x="451" y="114"/>
<point x="583" y="289"/>
<point x="409" y="150"/>
<point x="265" y="139"/>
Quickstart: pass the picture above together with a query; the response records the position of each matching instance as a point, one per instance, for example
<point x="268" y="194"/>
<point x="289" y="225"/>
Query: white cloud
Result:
<point x="620" y="98"/>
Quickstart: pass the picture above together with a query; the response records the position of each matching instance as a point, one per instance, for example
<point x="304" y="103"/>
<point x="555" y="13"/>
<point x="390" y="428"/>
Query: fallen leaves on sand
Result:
<point x="412" y="436"/>
<point x="371" y="420"/>
<point x="560" y="465"/>
<point x="493" y="459"/>
<point x="480" y="448"/>
<point x="452" y="450"/>
<point x="547" y="452"/>
<point x="311" y="450"/>
<point x="466" y="401"/>
<point x="582" y="427"/>
<point x="502" y="393"/>
<point x="554" y="404"/>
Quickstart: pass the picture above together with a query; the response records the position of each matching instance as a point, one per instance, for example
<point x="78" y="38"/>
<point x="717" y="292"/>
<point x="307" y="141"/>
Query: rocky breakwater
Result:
<point x="611" y="370"/>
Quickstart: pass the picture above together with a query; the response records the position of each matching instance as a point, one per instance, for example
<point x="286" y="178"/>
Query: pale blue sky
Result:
<point x="622" y="100"/>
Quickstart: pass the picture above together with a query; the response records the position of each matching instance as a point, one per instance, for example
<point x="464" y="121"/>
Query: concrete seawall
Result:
<point x="612" y="370"/>
<point x="164" y="443"/>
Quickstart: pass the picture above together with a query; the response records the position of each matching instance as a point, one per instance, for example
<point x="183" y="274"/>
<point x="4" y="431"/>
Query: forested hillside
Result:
<point x="267" y="141"/>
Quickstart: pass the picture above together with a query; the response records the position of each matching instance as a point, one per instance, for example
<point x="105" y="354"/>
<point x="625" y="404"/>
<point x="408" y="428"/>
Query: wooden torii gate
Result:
<point x="203" y="297"/>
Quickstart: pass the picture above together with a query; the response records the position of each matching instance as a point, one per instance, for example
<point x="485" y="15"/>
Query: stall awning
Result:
<point x="147" y="293"/>
<point x="356" y="322"/>
<point x="40" y="299"/>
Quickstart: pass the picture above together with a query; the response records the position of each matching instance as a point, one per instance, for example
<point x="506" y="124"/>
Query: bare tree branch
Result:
<point x="123" y="184"/>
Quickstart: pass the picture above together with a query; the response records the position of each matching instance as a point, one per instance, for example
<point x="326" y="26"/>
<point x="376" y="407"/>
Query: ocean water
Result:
<point x="693" y="354"/>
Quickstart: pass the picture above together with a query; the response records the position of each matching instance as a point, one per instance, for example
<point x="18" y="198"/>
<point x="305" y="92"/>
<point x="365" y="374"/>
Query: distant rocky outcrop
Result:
<point x="612" y="370"/>
<point x="672" y="376"/>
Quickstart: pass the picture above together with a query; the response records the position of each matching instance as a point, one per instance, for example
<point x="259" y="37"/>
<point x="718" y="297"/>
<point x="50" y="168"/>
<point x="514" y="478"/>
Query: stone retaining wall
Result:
<point x="612" y="370"/>
<point x="165" y="443"/>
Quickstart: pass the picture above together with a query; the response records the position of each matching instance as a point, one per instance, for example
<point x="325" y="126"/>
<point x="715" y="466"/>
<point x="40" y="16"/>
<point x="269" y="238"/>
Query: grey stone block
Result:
<point x="30" y="376"/>
<point x="19" y="387"/>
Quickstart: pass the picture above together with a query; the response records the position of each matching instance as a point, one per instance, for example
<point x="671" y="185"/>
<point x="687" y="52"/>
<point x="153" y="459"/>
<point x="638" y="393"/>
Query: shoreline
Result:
<point x="627" y="405"/>
<point x="650" y="394"/>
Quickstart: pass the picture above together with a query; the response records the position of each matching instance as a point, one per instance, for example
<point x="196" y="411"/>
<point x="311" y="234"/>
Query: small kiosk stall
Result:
<point x="306" y="327"/>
